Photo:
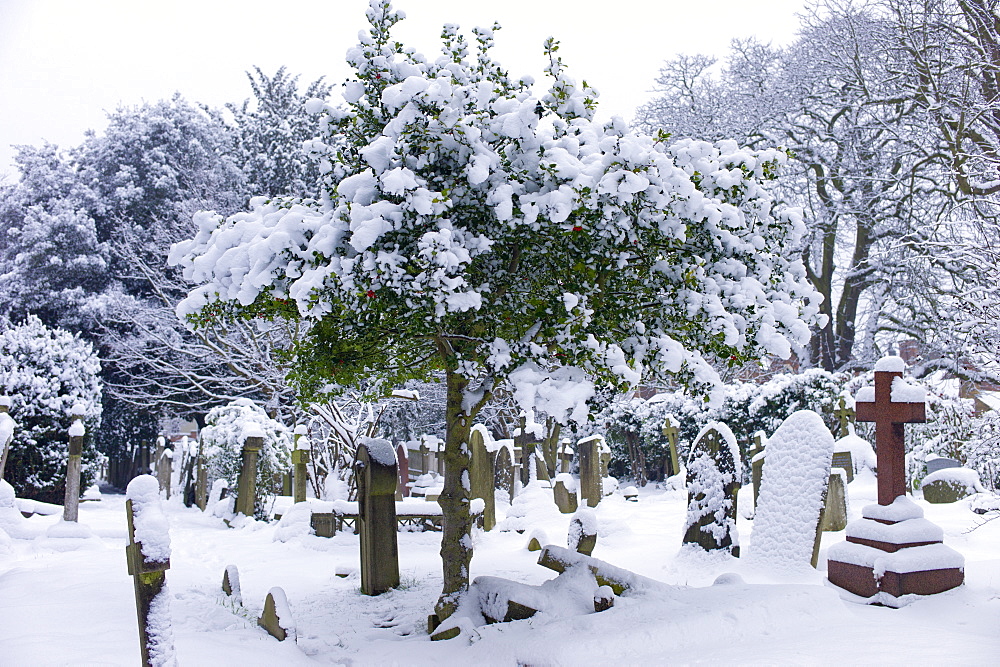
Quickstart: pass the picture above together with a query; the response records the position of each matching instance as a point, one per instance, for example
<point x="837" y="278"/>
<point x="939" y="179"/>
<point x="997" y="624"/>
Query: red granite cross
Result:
<point x="889" y="417"/>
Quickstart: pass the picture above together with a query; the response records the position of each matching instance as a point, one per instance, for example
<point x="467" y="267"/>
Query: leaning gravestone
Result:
<point x="793" y="490"/>
<point x="246" y="485"/>
<point x="277" y="616"/>
<point x="713" y="475"/>
<point x="148" y="557"/>
<point x="582" y="536"/>
<point x="375" y="470"/>
<point x="835" y="509"/>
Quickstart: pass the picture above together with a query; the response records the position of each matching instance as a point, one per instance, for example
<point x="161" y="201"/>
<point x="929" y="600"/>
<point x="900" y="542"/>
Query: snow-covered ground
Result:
<point x="75" y="607"/>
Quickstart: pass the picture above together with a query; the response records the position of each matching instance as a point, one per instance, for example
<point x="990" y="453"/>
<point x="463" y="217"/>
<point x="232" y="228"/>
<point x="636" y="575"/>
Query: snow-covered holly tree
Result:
<point x="46" y="372"/>
<point x="470" y="226"/>
<point x="223" y="439"/>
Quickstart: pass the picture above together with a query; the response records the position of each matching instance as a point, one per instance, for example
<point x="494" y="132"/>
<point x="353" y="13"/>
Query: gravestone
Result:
<point x="148" y="560"/>
<point x="525" y="443"/>
<point x="844" y="461"/>
<point x="892" y="551"/>
<point x="793" y="490"/>
<point x="300" y="465"/>
<point x="482" y="477"/>
<point x="670" y="431"/>
<point x="277" y="616"/>
<point x="949" y="485"/>
<point x="564" y="493"/>
<point x="246" y="485"/>
<point x="835" y="509"/>
<point x="845" y="416"/>
<point x="756" y="456"/>
<point x="165" y="469"/>
<point x="403" y="459"/>
<point x="71" y="502"/>
<point x="425" y="459"/>
<point x="591" y="490"/>
<point x="231" y="585"/>
<point x="941" y="463"/>
<point x="504" y="472"/>
<point x="712" y="484"/>
<point x="582" y="536"/>
<point x="375" y="470"/>
<point x="565" y="455"/>
<point x="201" y="472"/>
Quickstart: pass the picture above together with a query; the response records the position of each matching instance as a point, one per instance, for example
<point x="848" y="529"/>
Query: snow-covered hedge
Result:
<point x="45" y="372"/>
<point x="223" y="439"/>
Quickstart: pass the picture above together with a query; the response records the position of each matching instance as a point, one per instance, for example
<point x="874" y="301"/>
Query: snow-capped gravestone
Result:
<point x="71" y="503"/>
<point x="148" y="556"/>
<point x="949" y="485"/>
<point x="503" y="466"/>
<point x="165" y="468"/>
<point x="246" y="484"/>
<point x="792" y="492"/>
<point x="277" y="616"/>
<point x="375" y="469"/>
<point x="713" y="475"/>
<point x="591" y="489"/>
<point x="564" y="493"/>
<point x="893" y="551"/>
<point x="403" y="465"/>
<point x="582" y="536"/>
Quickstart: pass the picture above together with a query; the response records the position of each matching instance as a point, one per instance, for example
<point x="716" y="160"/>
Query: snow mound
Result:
<point x="295" y="522"/>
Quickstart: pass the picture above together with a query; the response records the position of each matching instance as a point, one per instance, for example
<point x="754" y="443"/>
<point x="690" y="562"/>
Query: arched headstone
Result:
<point x="712" y="483"/>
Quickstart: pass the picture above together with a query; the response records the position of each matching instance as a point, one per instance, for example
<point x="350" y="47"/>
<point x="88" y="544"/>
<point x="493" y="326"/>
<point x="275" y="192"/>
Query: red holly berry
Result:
<point x="577" y="228"/>
<point x="370" y="294"/>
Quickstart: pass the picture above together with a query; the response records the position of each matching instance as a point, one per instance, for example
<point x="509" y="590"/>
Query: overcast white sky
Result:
<point x="65" y="63"/>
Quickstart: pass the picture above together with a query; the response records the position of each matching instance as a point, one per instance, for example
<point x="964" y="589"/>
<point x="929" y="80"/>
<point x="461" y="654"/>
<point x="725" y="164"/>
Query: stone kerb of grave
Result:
<point x="713" y="473"/>
<point x="892" y="552"/>
<point x="792" y="493"/>
<point x="949" y="485"/>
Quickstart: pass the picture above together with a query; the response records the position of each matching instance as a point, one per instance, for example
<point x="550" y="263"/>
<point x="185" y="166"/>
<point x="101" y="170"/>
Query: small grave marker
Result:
<point x="564" y="492"/>
<point x="589" y="450"/>
<point x="231" y="585"/>
<point x="835" y="510"/>
<point x="277" y="616"/>
<point x="670" y="431"/>
<point x="845" y="416"/>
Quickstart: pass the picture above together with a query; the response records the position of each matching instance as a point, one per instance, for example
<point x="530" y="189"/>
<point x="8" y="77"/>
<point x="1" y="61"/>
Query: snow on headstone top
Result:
<point x="730" y="439"/>
<point x="161" y="441"/>
<point x="5" y="401"/>
<point x="796" y="472"/>
<point x="862" y="452"/>
<point x="78" y="409"/>
<point x="151" y="527"/>
<point x="568" y="481"/>
<point x="381" y="451"/>
<point x="891" y="364"/>
<point x="901" y="509"/>
<point x="252" y="430"/>
<point x="76" y="429"/>
<point x="966" y="477"/>
<point x="301" y="429"/>
<point x="7" y="426"/>
<point x="904" y="392"/>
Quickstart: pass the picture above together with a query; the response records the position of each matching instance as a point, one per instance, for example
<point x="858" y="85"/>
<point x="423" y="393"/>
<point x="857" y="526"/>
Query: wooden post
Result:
<point x="482" y="478"/>
<point x="148" y="575"/>
<point x="71" y="502"/>
<point x="671" y="432"/>
<point x="300" y="460"/>
<point x="375" y="469"/>
<point x="246" y="486"/>
<point x="589" y="450"/>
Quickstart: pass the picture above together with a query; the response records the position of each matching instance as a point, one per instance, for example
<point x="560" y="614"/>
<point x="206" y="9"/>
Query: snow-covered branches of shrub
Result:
<point x="45" y="372"/>
<point x="460" y="206"/>
<point x="224" y="436"/>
